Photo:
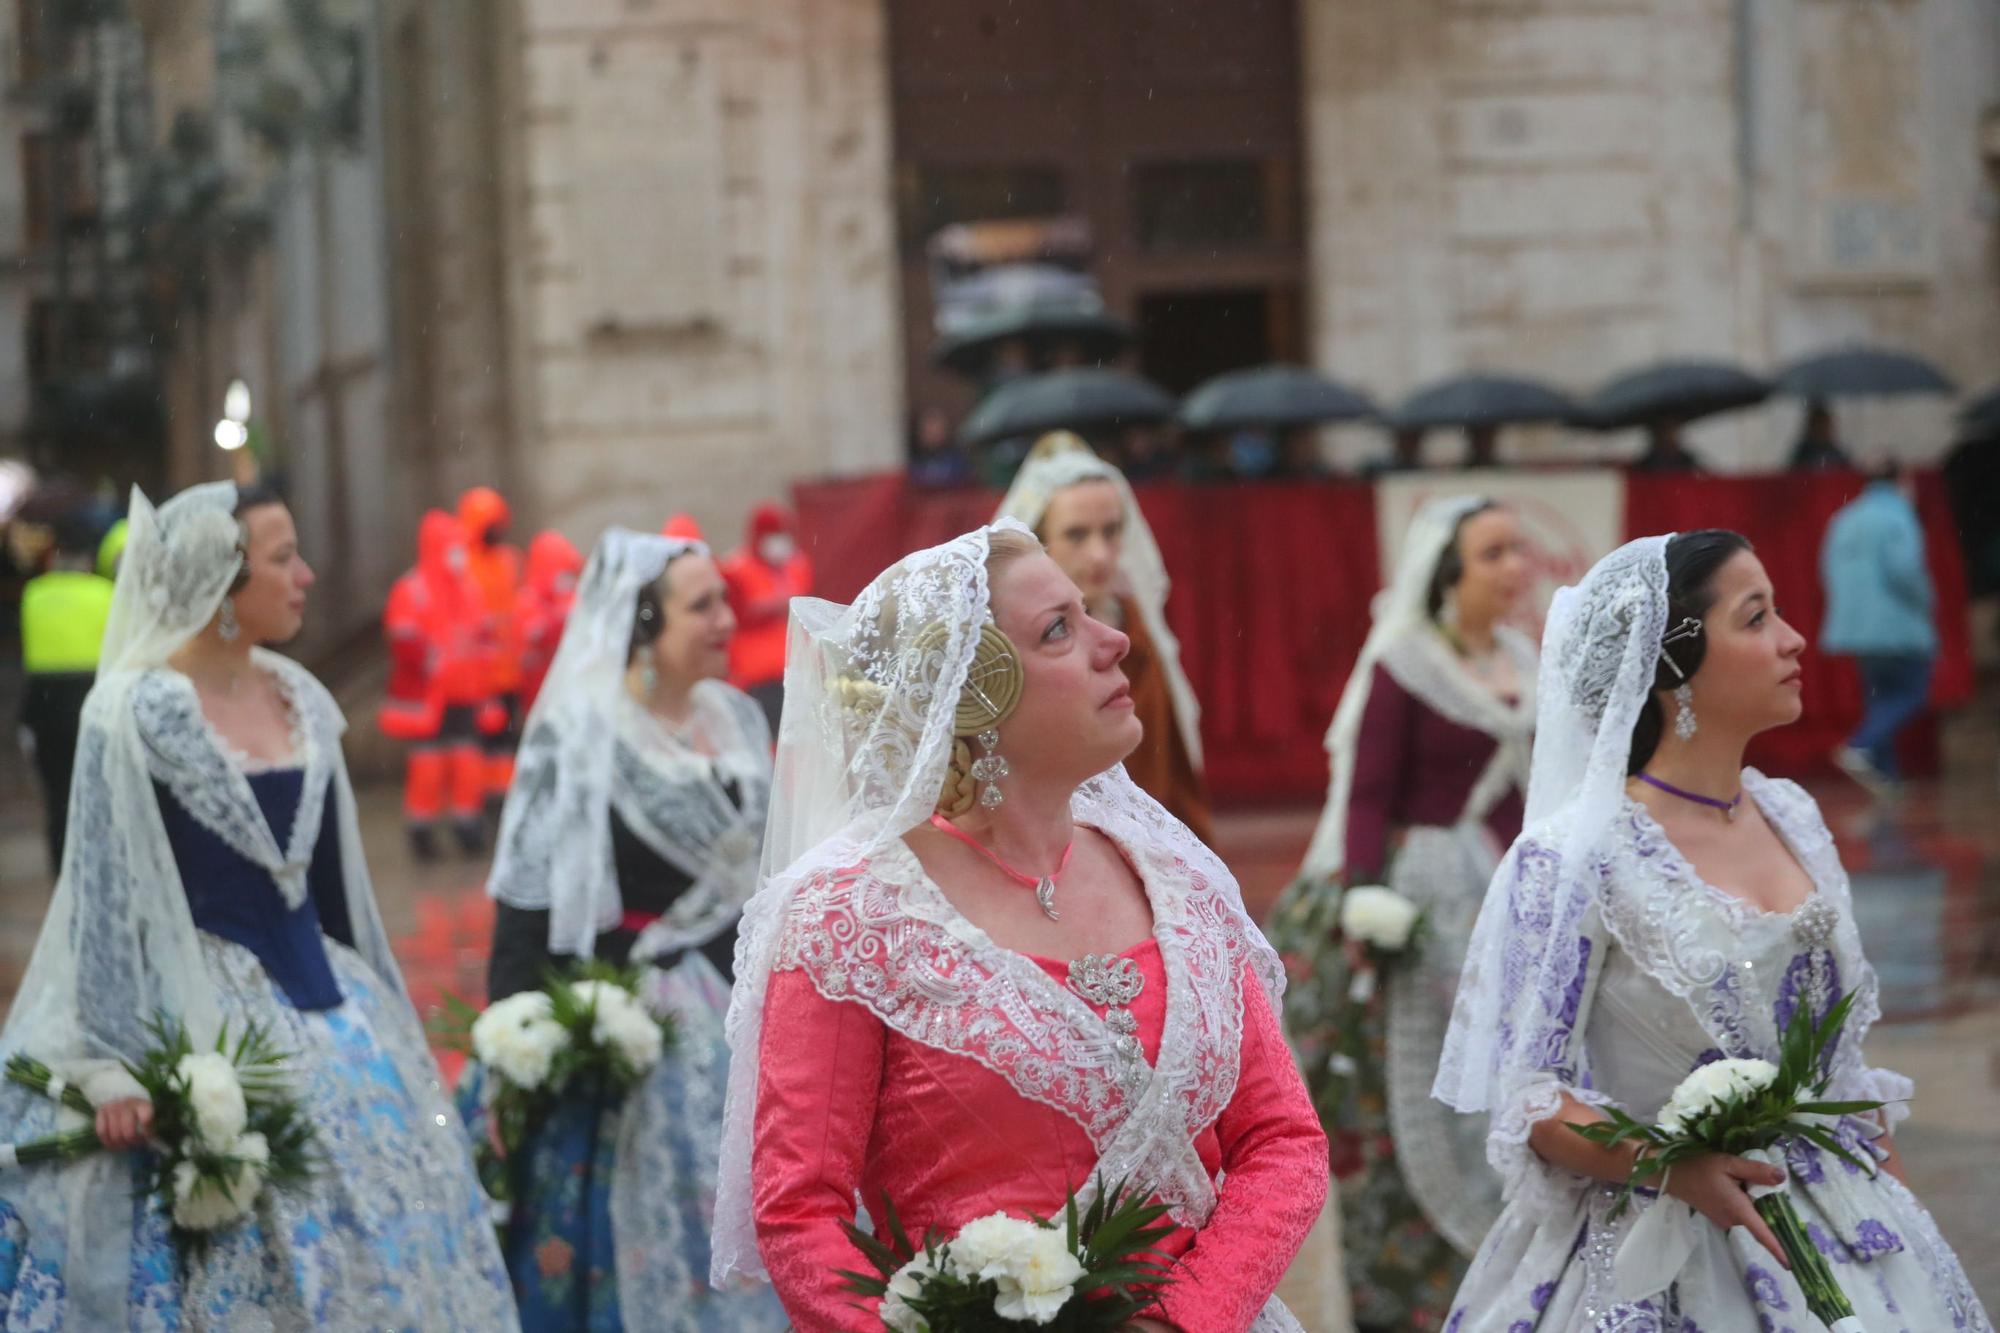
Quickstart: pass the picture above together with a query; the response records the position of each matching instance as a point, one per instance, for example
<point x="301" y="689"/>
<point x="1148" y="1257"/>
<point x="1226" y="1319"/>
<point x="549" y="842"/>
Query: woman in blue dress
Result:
<point x="631" y="835"/>
<point x="215" y="876"/>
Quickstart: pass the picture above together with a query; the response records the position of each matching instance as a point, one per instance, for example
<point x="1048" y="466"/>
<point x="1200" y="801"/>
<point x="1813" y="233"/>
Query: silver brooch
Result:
<point x="1111" y="983"/>
<point x="1815" y="921"/>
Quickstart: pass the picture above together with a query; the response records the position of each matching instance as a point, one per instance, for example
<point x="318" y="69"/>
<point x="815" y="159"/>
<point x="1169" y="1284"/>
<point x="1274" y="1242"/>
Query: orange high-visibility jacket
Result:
<point x="496" y="572"/>
<point x="542" y="607"/>
<point x="437" y="654"/>
<point x="761" y="594"/>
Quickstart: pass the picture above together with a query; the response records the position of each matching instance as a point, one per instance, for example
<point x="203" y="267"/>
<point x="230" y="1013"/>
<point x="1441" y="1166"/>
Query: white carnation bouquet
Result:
<point x="1092" y="1272"/>
<point x="592" y="1035"/>
<point x="1382" y="928"/>
<point x="1747" y="1108"/>
<point x="1385" y="925"/>
<point x="225" y="1126"/>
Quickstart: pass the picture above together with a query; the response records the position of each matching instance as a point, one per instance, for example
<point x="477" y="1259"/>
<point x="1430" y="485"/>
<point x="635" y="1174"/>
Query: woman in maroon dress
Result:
<point x="1429" y="754"/>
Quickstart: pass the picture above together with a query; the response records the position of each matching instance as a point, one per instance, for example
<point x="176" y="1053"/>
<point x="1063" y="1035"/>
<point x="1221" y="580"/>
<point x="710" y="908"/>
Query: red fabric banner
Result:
<point x="1272" y="582"/>
<point x="1785" y="517"/>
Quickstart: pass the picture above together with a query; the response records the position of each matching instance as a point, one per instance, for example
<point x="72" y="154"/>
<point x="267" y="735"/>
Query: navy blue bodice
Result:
<point x="236" y="899"/>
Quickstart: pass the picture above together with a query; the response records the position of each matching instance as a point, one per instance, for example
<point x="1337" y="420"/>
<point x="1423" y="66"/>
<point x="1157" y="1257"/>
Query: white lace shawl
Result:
<point x="672" y="789"/>
<point x="1139" y="561"/>
<point x="1718" y="954"/>
<point x="1407" y="644"/>
<point x="882" y="934"/>
<point x="554" y="848"/>
<point x="119" y="945"/>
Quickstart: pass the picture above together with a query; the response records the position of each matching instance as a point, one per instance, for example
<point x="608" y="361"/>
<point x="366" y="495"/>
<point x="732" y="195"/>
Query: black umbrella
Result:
<point x="1473" y="401"/>
<point x="1271" y="398"/>
<point x="1065" y="400"/>
<point x="1980" y="418"/>
<point x="1670" y="392"/>
<point x="1863" y="372"/>
<point x="1096" y="334"/>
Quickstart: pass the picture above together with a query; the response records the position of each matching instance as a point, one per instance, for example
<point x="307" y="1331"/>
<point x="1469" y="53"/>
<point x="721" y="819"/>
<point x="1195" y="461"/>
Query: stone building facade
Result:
<point x="628" y="257"/>
<point x="1569" y="188"/>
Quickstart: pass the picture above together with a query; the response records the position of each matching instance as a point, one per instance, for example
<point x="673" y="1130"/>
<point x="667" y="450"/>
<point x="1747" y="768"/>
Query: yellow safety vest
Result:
<point x="62" y="621"/>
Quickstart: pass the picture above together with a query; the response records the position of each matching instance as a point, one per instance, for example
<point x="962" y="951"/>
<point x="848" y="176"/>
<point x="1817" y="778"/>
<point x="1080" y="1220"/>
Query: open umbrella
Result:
<point x="1271" y="398"/>
<point x="1672" y="392"/>
<point x="1095" y="333"/>
<point x="1863" y="372"/>
<point x="1066" y="400"/>
<point x="1980" y="418"/>
<point x="1474" y="401"/>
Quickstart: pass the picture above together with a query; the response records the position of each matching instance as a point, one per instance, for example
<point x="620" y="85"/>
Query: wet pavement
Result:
<point x="1926" y="887"/>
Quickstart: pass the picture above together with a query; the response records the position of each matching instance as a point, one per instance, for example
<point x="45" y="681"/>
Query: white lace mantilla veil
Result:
<point x="588" y="746"/>
<point x="118" y="945"/>
<point x="871" y="691"/>
<point x="1402" y="629"/>
<point x="1027" y="500"/>
<point x="1600" y="649"/>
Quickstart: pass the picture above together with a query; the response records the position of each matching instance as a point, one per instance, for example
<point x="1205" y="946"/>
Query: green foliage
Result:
<point x="260" y="1064"/>
<point x="584" y="1067"/>
<point x="1114" y="1239"/>
<point x="1785" y="1109"/>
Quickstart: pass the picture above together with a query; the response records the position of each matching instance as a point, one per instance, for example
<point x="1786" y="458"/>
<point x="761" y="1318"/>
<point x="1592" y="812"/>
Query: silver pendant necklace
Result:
<point x="1043" y="885"/>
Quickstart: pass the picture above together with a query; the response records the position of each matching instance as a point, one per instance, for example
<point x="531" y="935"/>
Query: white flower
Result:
<point x="252" y="1149"/>
<point x="519" y="1038"/>
<point x="1031" y="1265"/>
<point x="1378" y="917"/>
<point x="203" y="1203"/>
<point x="1711" y="1087"/>
<point x="990" y="1242"/>
<point x="633" y="1033"/>
<point x="1040" y="1281"/>
<point x="907" y="1283"/>
<point x="214" y="1096"/>
<point x="619" y="1022"/>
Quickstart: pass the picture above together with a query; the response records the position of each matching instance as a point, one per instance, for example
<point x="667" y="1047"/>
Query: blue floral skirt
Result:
<point x="614" y="1203"/>
<point x="391" y="1232"/>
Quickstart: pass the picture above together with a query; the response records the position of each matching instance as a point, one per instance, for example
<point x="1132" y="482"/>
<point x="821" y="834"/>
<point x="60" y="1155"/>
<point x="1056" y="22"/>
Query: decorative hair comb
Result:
<point x="1689" y="628"/>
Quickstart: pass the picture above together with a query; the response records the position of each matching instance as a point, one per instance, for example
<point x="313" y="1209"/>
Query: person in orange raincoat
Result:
<point x="495" y="567"/>
<point x="764" y="574"/>
<point x="542" y="607"/>
<point x="437" y="687"/>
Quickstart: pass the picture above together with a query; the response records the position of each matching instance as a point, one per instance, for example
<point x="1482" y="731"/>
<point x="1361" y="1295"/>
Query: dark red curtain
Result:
<point x="1272" y="583"/>
<point x="1786" y="517"/>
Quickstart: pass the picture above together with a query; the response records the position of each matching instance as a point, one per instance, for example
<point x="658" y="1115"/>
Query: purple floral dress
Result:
<point x="1673" y="973"/>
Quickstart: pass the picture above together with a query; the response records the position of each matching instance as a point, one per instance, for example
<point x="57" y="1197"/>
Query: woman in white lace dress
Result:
<point x="631" y="836"/>
<point x="1666" y="907"/>
<point x="215" y="875"/>
<point x="984" y="967"/>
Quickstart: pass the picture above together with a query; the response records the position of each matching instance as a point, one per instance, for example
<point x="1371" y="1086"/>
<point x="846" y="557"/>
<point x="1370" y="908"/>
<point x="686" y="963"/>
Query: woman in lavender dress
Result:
<point x="1666" y="907"/>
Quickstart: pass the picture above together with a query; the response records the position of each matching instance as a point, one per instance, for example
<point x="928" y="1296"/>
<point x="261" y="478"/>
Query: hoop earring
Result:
<point x="1684" y="720"/>
<point x="225" y="624"/>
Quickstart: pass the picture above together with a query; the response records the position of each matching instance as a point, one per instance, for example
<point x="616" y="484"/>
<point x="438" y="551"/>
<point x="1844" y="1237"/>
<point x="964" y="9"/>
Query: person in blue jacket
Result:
<point x="1880" y="610"/>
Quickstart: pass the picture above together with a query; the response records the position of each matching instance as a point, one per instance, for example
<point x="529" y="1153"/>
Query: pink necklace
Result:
<point x="1043" y="885"/>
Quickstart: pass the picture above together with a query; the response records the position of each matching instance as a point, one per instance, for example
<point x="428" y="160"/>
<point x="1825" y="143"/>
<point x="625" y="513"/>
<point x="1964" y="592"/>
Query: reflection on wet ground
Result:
<point x="1926" y="879"/>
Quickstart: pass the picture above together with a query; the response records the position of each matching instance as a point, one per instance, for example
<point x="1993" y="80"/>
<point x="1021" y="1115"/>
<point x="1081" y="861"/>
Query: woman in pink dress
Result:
<point x="985" y="969"/>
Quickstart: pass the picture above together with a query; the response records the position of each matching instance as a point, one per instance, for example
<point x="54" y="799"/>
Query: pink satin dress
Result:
<point x="846" y="1104"/>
